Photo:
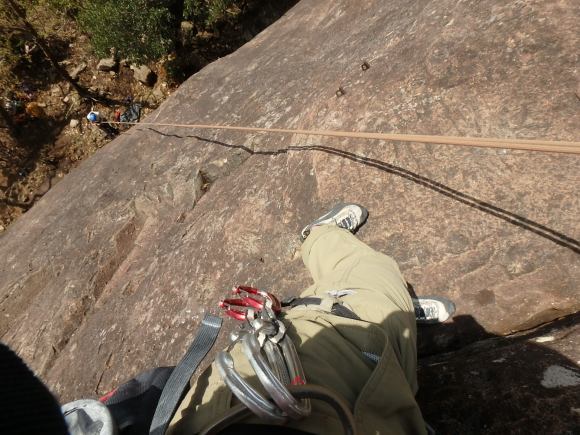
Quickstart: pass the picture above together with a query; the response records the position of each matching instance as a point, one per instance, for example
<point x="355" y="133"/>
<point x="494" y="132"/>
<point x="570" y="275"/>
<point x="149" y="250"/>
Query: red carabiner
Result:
<point x="248" y="302"/>
<point x="276" y="305"/>
<point x="234" y="314"/>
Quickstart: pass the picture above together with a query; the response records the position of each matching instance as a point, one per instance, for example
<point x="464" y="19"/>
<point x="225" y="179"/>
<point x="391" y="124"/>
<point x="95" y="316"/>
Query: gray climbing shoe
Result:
<point x="347" y="216"/>
<point x="430" y="310"/>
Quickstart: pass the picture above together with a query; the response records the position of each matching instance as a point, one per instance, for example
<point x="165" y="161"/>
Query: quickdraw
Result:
<point x="280" y="372"/>
<point x="268" y="301"/>
<point x="271" y="354"/>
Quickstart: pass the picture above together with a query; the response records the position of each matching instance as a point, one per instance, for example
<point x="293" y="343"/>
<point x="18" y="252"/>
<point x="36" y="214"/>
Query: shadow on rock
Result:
<point x="494" y="386"/>
<point x="524" y="383"/>
<point x="483" y="206"/>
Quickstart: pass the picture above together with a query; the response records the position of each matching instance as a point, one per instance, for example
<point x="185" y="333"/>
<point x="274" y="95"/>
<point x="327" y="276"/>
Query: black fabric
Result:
<point x="337" y="309"/>
<point x="133" y="403"/>
<point x="294" y="301"/>
<point x="26" y="405"/>
<point x="132" y="114"/>
<point x="342" y="311"/>
<point x="109" y="130"/>
<point x="179" y="379"/>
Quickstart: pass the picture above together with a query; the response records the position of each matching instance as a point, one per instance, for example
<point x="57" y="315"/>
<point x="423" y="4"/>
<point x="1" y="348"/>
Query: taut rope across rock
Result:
<point x="569" y="147"/>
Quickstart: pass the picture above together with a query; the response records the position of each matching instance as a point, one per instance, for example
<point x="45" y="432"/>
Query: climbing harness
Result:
<point x="273" y="356"/>
<point x="179" y="378"/>
<point x="263" y="334"/>
<point x="149" y="401"/>
<point x="336" y="308"/>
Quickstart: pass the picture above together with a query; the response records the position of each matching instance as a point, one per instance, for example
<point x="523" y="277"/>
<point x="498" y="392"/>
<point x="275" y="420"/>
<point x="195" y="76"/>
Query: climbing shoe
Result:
<point x="430" y="310"/>
<point x="347" y="216"/>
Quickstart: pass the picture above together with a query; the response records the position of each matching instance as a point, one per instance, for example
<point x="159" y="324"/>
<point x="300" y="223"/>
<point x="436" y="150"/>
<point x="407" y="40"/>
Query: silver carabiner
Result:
<point x="257" y="403"/>
<point x="275" y="388"/>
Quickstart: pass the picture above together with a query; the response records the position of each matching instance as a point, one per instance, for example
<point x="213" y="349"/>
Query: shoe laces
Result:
<point x="426" y="312"/>
<point x="347" y="222"/>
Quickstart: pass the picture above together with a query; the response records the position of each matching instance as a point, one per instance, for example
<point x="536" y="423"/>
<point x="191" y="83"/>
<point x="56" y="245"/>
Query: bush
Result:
<point x="137" y="29"/>
<point x="11" y="48"/>
<point x="206" y="13"/>
<point x="64" y="6"/>
<point x="196" y="11"/>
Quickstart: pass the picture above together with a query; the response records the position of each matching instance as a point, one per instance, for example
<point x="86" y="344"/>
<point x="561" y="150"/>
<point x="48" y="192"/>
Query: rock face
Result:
<point x="107" y="64"/>
<point x="112" y="270"/>
<point x="75" y="72"/>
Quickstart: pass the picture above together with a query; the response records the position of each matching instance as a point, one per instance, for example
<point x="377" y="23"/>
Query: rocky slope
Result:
<point x="110" y="272"/>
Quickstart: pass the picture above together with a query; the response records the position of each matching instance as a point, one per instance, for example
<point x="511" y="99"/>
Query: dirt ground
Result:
<point x="48" y="135"/>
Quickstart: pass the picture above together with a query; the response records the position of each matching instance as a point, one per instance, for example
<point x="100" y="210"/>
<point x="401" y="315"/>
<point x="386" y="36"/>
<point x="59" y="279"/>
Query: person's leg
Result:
<point x="337" y="260"/>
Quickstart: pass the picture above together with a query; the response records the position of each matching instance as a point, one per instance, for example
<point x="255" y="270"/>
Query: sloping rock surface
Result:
<point x="112" y="270"/>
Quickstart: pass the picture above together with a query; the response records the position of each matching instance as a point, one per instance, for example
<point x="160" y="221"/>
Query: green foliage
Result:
<point x="196" y="11"/>
<point x="206" y="13"/>
<point x="137" y="29"/>
<point x="11" y="47"/>
<point x="63" y="5"/>
<point x="217" y="11"/>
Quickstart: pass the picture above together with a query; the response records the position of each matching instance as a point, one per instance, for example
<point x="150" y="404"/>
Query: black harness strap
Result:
<point x="179" y="379"/>
<point x="337" y="309"/>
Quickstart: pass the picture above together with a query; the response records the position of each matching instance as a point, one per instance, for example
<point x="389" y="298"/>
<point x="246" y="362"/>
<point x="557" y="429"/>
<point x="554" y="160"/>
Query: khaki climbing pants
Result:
<point x="370" y="362"/>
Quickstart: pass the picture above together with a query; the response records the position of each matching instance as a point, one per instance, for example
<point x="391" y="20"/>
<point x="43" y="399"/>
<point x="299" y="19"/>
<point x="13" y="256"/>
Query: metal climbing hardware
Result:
<point x="248" y="300"/>
<point x="271" y="354"/>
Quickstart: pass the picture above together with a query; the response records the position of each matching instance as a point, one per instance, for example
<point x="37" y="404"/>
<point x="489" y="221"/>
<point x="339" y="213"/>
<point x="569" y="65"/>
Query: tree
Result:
<point x="138" y="30"/>
<point x="206" y="13"/>
<point x="11" y="35"/>
<point x="17" y="24"/>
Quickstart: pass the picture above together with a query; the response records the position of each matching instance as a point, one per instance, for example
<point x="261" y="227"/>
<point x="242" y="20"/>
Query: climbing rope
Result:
<point x="569" y="147"/>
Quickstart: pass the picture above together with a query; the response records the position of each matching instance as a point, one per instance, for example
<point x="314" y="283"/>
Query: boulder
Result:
<point x="186" y="32"/>
<point x="506" y="385"/>
<point x="4" y="177"/>
<point x="35" y="110"/>
<point x="186" y="26"/>
<point x="112" y="270"/>
<point x="74" y="123"/>
<point x="107" y="64"/>
<point x="43" y="188"/>
<point x="144" y="74"/>
<point x="75" y="72"/>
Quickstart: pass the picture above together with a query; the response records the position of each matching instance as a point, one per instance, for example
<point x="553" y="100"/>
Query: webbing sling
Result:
<point x="179" y="379"/>
<point x="337" y="308"/>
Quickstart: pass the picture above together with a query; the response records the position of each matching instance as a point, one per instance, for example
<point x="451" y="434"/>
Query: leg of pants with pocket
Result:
<point x="337" y="260"/>
<point x="330" y="346"/>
